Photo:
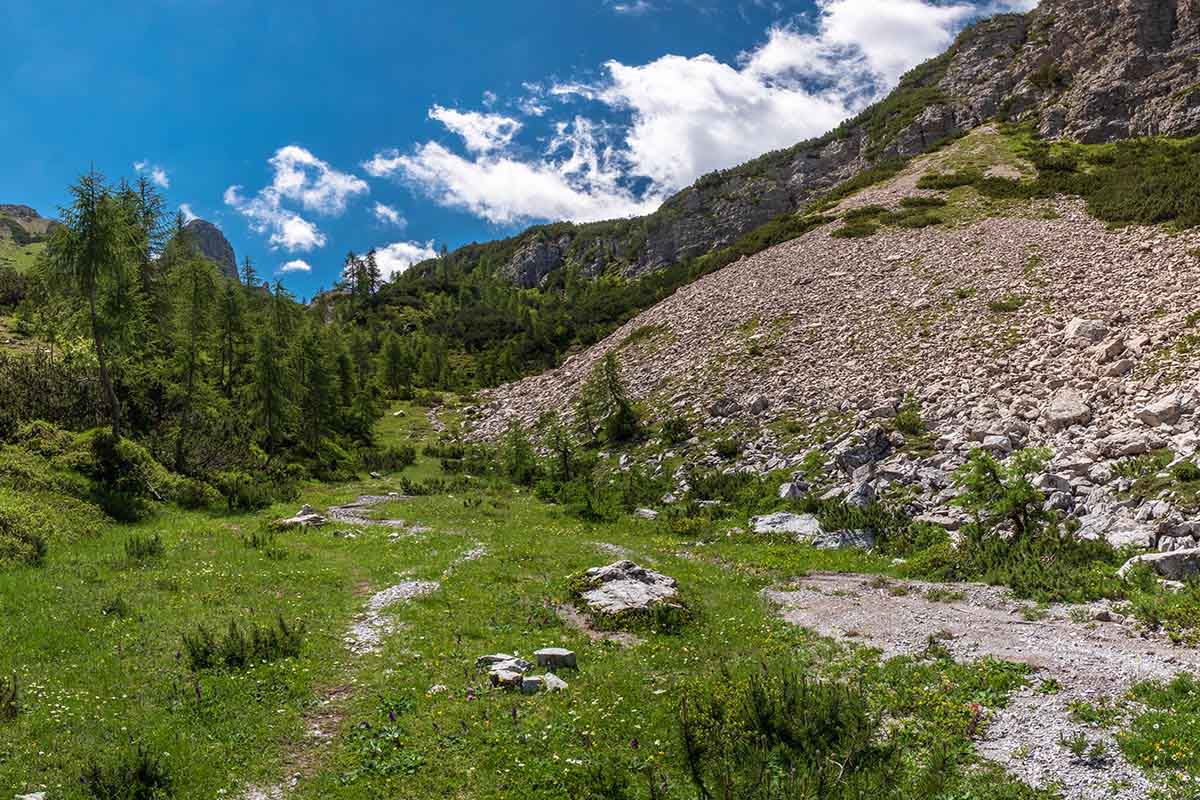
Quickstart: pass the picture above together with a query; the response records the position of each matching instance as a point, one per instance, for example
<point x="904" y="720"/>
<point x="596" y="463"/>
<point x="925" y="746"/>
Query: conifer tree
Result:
<point x="193" y="288"/>
<point x="249" y="273"/>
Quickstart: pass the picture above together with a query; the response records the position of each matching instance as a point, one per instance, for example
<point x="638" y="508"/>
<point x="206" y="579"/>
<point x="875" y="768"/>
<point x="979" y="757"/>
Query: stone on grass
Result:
<point x="503" y="661"/>
<point x="793" y="490"/>
<point x="1178" y="565"/>
<point x="553" y="683"/>
<point x="555" y="657"/>
<point x="34" y="796"/>
<point x="506" y="678"/>
<point x="802" y="526"/>
<point x="624" y="586"/>
<point x="306" y="517"/>
<point x="646" y="513"/>
<point x="532" y="684"/>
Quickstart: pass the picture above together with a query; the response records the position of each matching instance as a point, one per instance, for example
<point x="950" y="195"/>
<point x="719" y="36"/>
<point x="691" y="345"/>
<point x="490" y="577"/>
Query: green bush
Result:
<point x="194" y="495"/>
<point x="856" y="230"/>
<point x="137" y="775"/>
<point x="727" y="448"/>
<point x="144" y="548"/>
<point x="953" y="180"/>
<point x="922" y="202"/>
<point x="676" y="430"/>
<point x="908" y="418"/>
<point x="394" y="458"/>
<point x="10" y="700"/>
<point x="239" y="648"/>
<point x="32" y="521"/>
<point x="1008" y="304"/>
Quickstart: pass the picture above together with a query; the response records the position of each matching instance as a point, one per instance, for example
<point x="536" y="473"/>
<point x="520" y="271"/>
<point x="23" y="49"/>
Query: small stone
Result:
<point x="555" y="657"/>
<point x="554" y="683"/>
<point x="646" y="513"/>
<point x="532" y="684"/>
<point x="793" y="490"/>
<point x="437" y="688"/>
<point x="506" y="678"/>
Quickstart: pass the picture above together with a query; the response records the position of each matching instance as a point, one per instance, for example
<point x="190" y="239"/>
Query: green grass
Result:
<point x="21" y="257"/>
<point x="96" y="641"/>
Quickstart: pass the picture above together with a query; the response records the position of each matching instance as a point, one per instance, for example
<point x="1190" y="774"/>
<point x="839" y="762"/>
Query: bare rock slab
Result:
<point x="625" y="586"/>
<point x="555" y="657"/>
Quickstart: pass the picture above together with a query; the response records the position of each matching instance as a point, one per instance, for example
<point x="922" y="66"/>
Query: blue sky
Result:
<point x="307" y="129"/>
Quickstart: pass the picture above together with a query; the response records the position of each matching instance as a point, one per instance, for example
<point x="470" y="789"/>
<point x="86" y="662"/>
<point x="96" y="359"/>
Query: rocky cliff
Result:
<point x="1090" y="70"/>
<point x="23" y="225"/>
<point x="213" y="245"/>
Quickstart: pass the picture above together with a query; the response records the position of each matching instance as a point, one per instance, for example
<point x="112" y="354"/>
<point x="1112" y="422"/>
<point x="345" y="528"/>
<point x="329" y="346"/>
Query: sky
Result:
<point x="305" y="130"/>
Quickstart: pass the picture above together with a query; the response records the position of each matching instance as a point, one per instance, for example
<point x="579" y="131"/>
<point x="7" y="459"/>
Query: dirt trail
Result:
<point x="1090" y="658"/>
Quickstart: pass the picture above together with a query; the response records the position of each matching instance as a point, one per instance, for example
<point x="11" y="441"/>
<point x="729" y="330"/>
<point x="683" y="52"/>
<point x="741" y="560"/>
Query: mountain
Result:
<point x="23" y="233"/>
<point x="213" y="245"/>
<point x="1029" y="283"/>
<point x="1090" y="70"/>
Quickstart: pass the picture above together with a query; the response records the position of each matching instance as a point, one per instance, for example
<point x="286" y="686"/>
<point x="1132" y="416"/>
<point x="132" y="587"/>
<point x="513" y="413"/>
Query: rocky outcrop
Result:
<point x="624" y="587"/>
<point x="536" y="258"/>
<point x="23" y="224"/>
<point x="213" y="245"/>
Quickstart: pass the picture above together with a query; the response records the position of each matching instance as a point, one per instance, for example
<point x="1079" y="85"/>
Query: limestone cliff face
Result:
<point x="1090" y="70"/>
<point x="213" y="245"/>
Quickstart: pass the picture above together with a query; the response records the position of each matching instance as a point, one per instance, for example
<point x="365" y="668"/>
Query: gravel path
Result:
<point x="366" y="634"/>
<point x="358" y="513"/>
<point x="1091" y="660"/>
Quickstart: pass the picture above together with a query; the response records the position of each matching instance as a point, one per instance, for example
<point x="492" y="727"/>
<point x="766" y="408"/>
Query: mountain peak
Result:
<point x="213" y="246"/>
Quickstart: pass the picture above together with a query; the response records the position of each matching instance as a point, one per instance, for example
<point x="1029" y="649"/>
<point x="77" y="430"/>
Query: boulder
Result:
<point x="1115" y="528"/>
<point x="554" y="683"/>
<point x="862" y="449"/>
<point x="724" y="407"/>
<point x="793" y="490"/>
<point x="1163" y="411"/>
<point x="1085" y="331"/>
<point x="1178" y="565"/>
<point x="506" y="678"/>
<point x="759" y="405"/>
<point x="306" y="517"/>
<point x="861" y="495"/>
<point x="646" y="513"/>
<point x="802" y="526"/>
<point x="1066" y="408"/>
<point x="625" y="586"/>
<point x="1129" y="443"/>
<point x="532" y="684"/>
<point x="555" y="657"/>
<point x="844" y="540"/>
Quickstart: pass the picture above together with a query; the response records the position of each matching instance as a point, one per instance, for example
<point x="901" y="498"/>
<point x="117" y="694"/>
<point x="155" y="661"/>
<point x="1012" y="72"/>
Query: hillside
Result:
<point x="991" y="322"/>
<point x="23" y="234"/>
<point x="1089" y="70"/>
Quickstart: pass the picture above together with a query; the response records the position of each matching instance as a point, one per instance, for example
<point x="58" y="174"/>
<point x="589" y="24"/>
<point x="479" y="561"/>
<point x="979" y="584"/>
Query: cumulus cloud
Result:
<point x="188" y="214"/>
<point x="295" y="266"/>
<point x="481" y="133"/>
<point x="158" y="175"/>
<point x="399" y="256"/>
<point x="668" y="121"/>
<point x="388" y="215"/>
<point x="299" y="178"/>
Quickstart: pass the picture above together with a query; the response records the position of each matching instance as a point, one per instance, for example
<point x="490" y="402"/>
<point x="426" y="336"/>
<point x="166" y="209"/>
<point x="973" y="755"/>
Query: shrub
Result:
<point x="193" y="494"/>
<point x="137" y="775"/>
<point x="908" y="418"/>
<point x="240" y="649"/>
<point x="604" y="404"/>
<point x="946" y="181"/>
<point x="856" y="230"/>
<point x="144" y="548"/>
<point x="864" y="213"/>
<point x="727" y="448"/>
<point x="1186" y="472"/>
<point x="1008" y="304"/>
<point x="780" y="734"/>
<point x="922" y="202"/>
<point x="32" y="521"/>
<point x="245" y="492"/>
<point x="519" y="460"/>
<point x="10" y="702"/>
<point x="676" y="430"/>
<point x="394" y="458"/>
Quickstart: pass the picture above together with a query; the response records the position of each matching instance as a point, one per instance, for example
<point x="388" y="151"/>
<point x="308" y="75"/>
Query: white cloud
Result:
<point x="302" y="178"/>
<point x="680" y="117"/>
<point x="265" y="214"/>
<point x="158" y="176"/>
<point x="634" y="8"/>
<point x="188" y="214"/>
<point x="389" y="216"/>
<point x="399" y="256"/>
<point x="489" y="99"/>
<point x="482" y="133"/>
<point x="297" y="265"/>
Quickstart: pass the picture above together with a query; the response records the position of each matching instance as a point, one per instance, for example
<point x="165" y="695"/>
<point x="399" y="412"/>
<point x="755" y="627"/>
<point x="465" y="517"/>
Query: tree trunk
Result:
<point x="106" y="383"/>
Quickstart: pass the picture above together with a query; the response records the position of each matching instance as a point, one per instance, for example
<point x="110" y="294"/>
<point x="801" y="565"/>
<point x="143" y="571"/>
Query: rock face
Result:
<point x="1178" y="565"/>
<point x="23" y="224"/>
<point x="213" y="245"/>
<point x="624" y="586"/>
<point x="1092" y="70"/>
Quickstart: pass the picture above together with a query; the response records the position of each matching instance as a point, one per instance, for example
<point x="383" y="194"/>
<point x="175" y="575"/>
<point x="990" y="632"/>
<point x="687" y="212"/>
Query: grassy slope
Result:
<point x="93" y="683"/>
<point x="19" y="257"/>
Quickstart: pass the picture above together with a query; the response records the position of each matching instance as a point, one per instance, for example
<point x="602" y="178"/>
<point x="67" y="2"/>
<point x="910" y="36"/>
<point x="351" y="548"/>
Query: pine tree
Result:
<point x="397" y="366"/>
<point x="372" y="273"/>
<point x="272" y="402"/>
<point x="249" y="274"/>
<point x="91" y="250"/>
<point x="193" y="287"/>
<point x="316" y="399"/>
<point x="231" y="325"/>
